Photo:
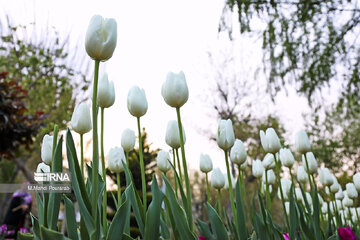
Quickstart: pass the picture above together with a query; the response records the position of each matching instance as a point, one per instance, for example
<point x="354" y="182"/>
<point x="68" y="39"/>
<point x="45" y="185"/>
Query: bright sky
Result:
<point x="155" y="37"/>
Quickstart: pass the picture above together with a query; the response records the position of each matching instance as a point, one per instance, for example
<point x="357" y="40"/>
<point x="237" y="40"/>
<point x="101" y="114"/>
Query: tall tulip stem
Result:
<point x="119" y="189"/>
<point x="207" y="188"/>
<point x="231" y="191"/>
<point x="179" y="166"/>
<point x="103" y="170"/>
<point x="187" y="183"/>
<point x="268" y="199"/>
<point x="219" y="203"/>
<point x="174" y="162"/>
<point x="95" y="162"/>
<point x="82" y="153"/>
<point x="142" y="166"/>
<point x="308" y="172"/>
<point x="281" y="190"/>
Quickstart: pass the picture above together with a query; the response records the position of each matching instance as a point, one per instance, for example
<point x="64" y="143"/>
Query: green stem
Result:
<point x="82" y="153"/>
<point x="174" y="161"/>
<point x="127" y="160"/>
<point x="142" y="166"/>
<point x="281" y="191"/>
<point x="219" y="203"/>
<point x="179" y="166"/>
<point x="231" y="192"/>
<point x="207" y="188"/>
<point x="187" y="183"/>
<point x="95" y="162"/>
<point x="119" y="189"/>
<point x="308" y="172"/>
<point x="56" y="130"/>
<point x="268" y="199"/>
<point x="103" y="170"/>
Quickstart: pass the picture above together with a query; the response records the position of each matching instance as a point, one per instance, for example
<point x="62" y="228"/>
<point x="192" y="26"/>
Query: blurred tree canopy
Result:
<point x="50" y="72"/>
<point x="314" y="47"/>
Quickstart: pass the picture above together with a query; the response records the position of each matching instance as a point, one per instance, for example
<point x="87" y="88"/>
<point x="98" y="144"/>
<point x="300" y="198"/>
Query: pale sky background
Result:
<point x="155" y="37"/>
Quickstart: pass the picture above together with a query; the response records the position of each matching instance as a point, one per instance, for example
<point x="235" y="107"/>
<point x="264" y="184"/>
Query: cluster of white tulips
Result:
<point x="307" y="209"/>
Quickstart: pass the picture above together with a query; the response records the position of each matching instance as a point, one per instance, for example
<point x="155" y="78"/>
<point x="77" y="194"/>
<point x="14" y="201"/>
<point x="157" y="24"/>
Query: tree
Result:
<point x="314" y="47"/>
<point x="308" y="43"/>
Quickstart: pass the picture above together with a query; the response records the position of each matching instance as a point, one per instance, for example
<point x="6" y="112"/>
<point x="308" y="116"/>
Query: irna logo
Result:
<point x="48" y="177"/>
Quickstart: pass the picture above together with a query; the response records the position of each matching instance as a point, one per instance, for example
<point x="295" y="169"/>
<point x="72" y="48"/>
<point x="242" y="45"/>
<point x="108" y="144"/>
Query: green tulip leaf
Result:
<point x="51" y="234"/>
<point x="240" y="212"/>
<point x="117" y="225"/>
<point x="71" y="224"/>
<point x="216" y="224"/>
<point x="25" y="236"/>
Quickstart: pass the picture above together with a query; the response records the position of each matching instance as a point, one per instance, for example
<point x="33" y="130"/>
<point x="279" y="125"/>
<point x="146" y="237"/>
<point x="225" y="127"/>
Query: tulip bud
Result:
<point x="128" y="140"/>
<point x="311" y="162"/>
<point x="270" y="177"/>
<point x="205" y="163"/>
<point x="334" y="188"/>
<point x="244" y="165"/>
<point x="287" y="208"/>
<point x="270" y="141"/>
<point x="285" y="186"/>
<point x="226" y="186"/>
<point x="163" y="161"/>
<point x="101" y="37"/>
<point x="351" y="190"/>
<point x="324" y="208"/>
<point x="286" y="157"/>
<point x="298" y="195"/>
<point x="116" y="158"/>
<point x="347" y="202"/>
<point x="80" y="120"/>
<point x="217" y="179"/>
<point x="238" y="153"/>
<point x="42" y="168"/>
<point x="302" y="143"/>
<point x="340" y="194"/>
<point x="321" y="200"/>
<point x="257" y="168"/>
<point x="106" y="92"/>
<point x="356" y="180"/>
<point x="269" y="161"/>
<point x="302" y="175"/>
<point x="46" y="149"/>
<point x="136" y="102"/>
<point x="225" y="135"/>
<point x="172" y="137"/>
<point x="325" y="177"/>
<point x="174" y="90"/>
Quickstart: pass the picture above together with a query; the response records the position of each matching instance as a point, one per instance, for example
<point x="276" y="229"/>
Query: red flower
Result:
<point x="201" y="238"/>
<point x="346" y="233"/>
<point x="286" y="236"/>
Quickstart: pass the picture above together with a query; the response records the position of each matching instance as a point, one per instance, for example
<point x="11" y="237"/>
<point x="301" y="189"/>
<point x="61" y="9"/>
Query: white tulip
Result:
<point x="257" y="168"/>
<point x="326" y="178"/>
<point x="128" y="140"/>
<point x="263" y="188"/>
<point x="46" y="149"/>
<point x="356" y="180"/>
<point x="287" y="207"/>
<point x="298" y="195"/>
<point x="233" y="183"/>
<point x="172" y="137"/>
<point x="311" y="162"/>
<point x="321" y="200"/>
<point x="308" y="199"/>
<point x="347" y="202"/>
<point x="174" y="90"/>
<point x="163" y="161"/>
<point x="136" y="102"/>
<point x="302" y="175"/>
<point x="351" y="190"/>
<point x="116" y="158"/>
<point x="225" y="135"/>
<point x="238" y="153"/>
<point x="217" y="179"/>
<point x="270" y="177"/>
<point x="324" y="208"/>
<point x="81" y="120"/>
<point x="205" y="163"/>
<point x="286" y="157"/>
<point x="106" y="92"/>
<point x="285" y="186"/>
<point x="340" y="194"/>
<point x="334" y="188"/>
<point x="269" y="161"/>
<point x="42" y="168"/>
<point x="270" y="141"/>
<point x="302" y="143"/>
<point x="101" y="37"/>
